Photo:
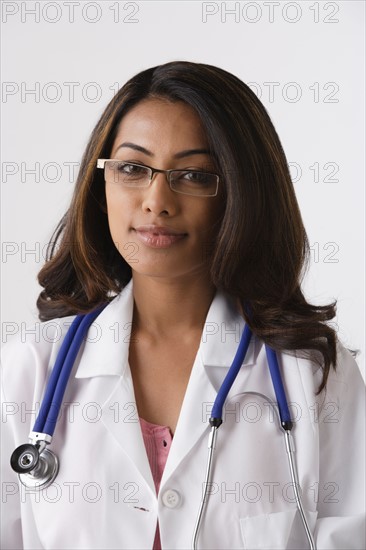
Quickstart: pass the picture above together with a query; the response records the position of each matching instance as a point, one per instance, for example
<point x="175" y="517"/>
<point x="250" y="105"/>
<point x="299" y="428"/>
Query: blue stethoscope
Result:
<point x="37" y="466"/>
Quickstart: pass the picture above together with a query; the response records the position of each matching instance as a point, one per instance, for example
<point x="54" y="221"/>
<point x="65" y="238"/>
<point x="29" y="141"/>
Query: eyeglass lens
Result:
<point x="182" y="181"/>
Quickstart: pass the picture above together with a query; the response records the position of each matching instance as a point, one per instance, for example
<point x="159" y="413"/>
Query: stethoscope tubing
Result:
<point x="290" y="450"/>
<point x="55" y="373"/>
<point x="278" y="388"/>
<point x="52" y="401"/>
<point x="211" y="448"/>
<point x="232" y="374"/>
<point x="229" y="379"/>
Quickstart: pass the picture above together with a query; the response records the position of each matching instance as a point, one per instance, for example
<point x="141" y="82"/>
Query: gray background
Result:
<point x="63" y="61"/>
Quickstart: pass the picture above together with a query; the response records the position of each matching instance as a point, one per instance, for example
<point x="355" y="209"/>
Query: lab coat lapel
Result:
<point x="120" y="417"/>
<point x="220" y="339"/>
<point x="106" y="355"/>
<point x="193" y="419"/>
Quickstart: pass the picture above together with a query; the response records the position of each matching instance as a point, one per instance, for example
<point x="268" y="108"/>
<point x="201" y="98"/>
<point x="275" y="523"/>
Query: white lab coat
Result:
<point x="104" y="495"/>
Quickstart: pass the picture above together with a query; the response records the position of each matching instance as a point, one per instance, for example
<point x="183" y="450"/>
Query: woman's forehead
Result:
<point x="158" y="125"/>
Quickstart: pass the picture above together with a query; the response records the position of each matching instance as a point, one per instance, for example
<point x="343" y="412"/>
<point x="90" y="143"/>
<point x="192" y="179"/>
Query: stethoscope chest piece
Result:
<point x="35" y="470"/>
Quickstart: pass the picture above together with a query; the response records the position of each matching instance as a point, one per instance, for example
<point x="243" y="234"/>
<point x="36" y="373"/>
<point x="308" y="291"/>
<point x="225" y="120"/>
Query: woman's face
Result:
<point x="163" y="130"/>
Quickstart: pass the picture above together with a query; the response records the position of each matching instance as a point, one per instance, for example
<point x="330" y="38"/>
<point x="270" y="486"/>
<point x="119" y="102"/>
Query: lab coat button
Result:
<point x="171" y="498"/>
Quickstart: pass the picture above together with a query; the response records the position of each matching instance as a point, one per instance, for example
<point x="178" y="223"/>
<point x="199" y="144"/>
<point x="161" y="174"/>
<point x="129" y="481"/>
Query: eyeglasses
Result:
<point x="132" y="175"/>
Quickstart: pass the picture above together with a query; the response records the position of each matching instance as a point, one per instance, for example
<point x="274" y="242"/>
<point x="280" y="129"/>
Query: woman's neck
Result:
<point x="164" y="307"/>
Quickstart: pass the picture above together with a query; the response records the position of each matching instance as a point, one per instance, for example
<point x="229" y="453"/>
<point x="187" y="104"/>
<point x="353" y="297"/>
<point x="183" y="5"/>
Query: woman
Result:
<point x="185" y="222"/>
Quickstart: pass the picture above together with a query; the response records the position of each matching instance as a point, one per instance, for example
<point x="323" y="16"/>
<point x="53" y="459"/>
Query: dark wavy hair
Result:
<point x="261" y="252"/>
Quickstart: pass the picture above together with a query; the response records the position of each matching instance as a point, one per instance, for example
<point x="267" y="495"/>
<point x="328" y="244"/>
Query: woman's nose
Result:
<point x="158" y="197"/>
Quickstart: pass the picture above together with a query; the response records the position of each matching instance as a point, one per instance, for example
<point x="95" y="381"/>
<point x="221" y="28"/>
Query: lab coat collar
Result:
<point x="222" y="332"/>
<point x="106" y="349"/>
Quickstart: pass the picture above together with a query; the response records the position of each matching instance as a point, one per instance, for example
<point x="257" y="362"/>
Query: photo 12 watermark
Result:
<point x="67" y="171"/>
<point x="270" y="12"/>
<point x="52" y="13"/>
<point x="269" y="492"/>
<point x="73" y="492"/>
<point x="93" y="92"/>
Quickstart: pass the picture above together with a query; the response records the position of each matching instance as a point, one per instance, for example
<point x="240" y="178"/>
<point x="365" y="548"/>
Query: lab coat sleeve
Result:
<point x="341" y="499"/>
<point x="11" y="528"/>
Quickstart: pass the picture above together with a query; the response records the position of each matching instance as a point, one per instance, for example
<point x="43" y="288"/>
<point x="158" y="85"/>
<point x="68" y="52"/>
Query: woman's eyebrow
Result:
<point x="181" y="154"/>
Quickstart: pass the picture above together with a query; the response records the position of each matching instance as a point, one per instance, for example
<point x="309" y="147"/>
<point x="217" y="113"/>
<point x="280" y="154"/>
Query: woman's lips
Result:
<point x="158" y="237"/>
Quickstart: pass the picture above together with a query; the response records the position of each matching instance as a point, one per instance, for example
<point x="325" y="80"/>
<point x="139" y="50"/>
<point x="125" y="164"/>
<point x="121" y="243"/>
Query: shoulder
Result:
<point x="27" y="354"/>
<point x="303" y="374"/>
<point x="30" y="352"/>
<point x="42" y="338"/>
<point x="345" y="380"/>
<point x="344" y="394"/>
<point x="37" y="337"/>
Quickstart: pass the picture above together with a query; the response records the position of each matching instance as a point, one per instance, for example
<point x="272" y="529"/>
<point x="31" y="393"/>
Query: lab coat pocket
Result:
<point x="267" y="531"/>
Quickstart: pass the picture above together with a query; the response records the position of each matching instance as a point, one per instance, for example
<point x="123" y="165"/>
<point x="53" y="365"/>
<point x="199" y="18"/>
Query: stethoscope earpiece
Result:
<point x="25" y="458"/>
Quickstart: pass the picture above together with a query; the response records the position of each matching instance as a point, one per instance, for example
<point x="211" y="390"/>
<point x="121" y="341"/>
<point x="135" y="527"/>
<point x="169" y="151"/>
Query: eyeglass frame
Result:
<point x="101" y="164"/>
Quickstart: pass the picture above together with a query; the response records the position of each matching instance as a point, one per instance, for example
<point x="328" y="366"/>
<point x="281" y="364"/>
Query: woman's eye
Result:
<point x="130" y="169"/>
<point x="197" y="177"/>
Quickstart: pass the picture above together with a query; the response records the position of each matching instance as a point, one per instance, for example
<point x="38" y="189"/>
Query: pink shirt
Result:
<point x="157" y="441"/>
